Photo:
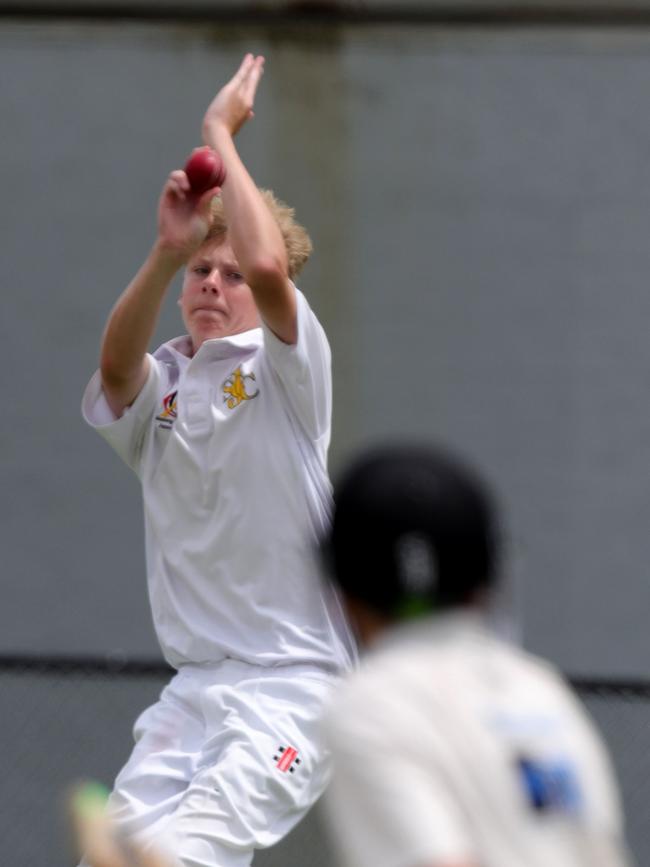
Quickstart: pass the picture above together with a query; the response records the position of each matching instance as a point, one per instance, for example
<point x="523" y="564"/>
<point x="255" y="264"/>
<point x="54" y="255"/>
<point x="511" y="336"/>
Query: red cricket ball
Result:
<point x="205" y="170"/>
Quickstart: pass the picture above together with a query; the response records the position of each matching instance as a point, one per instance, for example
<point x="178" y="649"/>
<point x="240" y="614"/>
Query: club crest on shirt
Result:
<point x="234" y="388"/>
<point x="286" y="759"/>
<point x="167" y="417"/>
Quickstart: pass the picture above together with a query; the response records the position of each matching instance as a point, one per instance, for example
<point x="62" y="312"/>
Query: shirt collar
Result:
<point x="216" y="347"/>
<point x="456" y="623"/>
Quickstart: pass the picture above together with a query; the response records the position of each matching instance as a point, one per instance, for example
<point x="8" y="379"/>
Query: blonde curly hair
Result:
<point x="296" y="240"/>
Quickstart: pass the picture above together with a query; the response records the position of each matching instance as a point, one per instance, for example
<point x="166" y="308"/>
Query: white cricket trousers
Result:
<point x="227" y="761"/>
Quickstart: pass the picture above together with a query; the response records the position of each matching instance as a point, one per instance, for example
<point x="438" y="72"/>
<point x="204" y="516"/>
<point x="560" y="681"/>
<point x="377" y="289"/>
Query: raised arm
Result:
<point x="253" y="232"/>
<point x="183" y="221"/>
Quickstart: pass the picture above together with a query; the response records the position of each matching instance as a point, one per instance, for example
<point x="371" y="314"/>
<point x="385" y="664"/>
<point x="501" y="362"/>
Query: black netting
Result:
<point x="63" y="721"/>
<point x="622" y="713"/>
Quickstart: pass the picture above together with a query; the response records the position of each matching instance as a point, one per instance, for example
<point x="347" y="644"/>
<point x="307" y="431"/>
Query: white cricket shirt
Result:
<point x="451" y="747"/>
<point x="230" y="447"/>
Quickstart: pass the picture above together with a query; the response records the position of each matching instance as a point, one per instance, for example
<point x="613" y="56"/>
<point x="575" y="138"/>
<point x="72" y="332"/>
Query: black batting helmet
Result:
<point x="413" y="530"/>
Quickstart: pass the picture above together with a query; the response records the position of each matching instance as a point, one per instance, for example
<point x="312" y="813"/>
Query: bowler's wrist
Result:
<point x="216" y="134"/>
<point x="170" y="256"/>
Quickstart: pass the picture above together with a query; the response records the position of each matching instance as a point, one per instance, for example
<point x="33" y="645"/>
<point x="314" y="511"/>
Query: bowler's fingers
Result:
<point x="243" y="70"/>
<point x="177" y="184"/>
<point x="252" y="79"/>
<point x="204" y="204"/>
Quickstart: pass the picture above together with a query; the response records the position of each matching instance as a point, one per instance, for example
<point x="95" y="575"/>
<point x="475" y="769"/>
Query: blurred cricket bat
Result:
<point x="97" y="839"/>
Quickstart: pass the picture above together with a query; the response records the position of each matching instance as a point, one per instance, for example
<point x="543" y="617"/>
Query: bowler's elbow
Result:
<point x="275" y="296"/>
<point x="268" y="273"/>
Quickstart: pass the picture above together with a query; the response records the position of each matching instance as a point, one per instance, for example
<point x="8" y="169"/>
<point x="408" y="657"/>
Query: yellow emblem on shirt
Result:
<point x="234" y="388"/>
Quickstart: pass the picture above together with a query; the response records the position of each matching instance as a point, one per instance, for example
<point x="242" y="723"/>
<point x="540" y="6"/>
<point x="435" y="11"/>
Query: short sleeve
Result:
<point x="385" y="806"/>
<point x="126" y="434"/>
<point x="305" y="370"/>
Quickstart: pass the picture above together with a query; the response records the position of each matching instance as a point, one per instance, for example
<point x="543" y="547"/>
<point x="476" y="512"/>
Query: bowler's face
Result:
<point x="215" y="300"/>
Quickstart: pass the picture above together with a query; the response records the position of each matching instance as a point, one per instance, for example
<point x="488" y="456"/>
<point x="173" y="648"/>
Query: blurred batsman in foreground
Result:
<point x="227" y="429"/>
<point x="450" y="748"/>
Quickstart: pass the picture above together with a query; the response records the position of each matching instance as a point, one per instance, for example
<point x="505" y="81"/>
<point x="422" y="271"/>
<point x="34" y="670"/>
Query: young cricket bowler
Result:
<point x="227" y="429"/>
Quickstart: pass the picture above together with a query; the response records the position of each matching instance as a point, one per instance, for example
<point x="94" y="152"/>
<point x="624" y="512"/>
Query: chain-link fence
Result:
<point x="622" y="712"/>
<point x="63" y="720"/>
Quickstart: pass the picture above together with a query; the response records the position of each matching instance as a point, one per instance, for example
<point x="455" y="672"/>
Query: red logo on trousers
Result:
<point x="286" y="758"/>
